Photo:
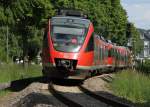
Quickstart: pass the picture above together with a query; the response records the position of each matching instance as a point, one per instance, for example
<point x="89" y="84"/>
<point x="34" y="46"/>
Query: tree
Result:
<point x="137" y="43"/>
<point x="26" y="20"/>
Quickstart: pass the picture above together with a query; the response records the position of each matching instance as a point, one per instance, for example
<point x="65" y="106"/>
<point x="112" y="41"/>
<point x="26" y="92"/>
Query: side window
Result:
<point x="106" y="52"/>
<point x="90" y="45"/>
<point x="110" y="52"/>
<point x="101" y="54"/>
<point x="115" y="53"/>
<point x="96" y="51"/>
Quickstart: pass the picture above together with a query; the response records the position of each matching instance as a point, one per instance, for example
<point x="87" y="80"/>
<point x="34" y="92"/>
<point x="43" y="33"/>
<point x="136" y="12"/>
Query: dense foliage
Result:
<point x="23" y="22"/>
<point x="144" y="66"/>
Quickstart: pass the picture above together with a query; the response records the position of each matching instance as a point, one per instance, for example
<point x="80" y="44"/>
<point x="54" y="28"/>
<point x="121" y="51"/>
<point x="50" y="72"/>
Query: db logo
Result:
<point x="66" y="56"/>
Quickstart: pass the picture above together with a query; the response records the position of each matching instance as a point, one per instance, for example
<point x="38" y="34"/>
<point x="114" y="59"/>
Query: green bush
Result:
<point x="144" y="66"/>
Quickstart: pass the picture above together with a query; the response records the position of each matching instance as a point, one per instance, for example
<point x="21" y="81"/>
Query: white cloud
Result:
<point x="139" y="13"/>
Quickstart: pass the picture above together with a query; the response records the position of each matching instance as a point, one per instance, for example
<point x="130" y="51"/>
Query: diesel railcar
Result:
<point x="71" y="49"/>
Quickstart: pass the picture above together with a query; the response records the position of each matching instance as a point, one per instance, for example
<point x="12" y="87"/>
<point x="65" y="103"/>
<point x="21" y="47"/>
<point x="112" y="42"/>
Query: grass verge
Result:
<point x="4" y="92"/>
<point x="10" y="72"/>
<point x="133" y="86"/>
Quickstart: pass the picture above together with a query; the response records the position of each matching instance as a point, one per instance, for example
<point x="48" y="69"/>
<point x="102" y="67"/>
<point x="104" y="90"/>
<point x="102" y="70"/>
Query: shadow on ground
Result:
<point x="67" y="82"/>
<point x="19" y="85"/>
<point x="34" y="99"/>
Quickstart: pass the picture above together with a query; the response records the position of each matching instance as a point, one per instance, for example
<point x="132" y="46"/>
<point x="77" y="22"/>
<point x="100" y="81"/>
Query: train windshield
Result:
<point x="67" y="38"/>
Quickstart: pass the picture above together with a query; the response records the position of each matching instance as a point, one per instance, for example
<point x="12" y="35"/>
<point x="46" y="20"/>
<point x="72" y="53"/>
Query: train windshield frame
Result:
<point x="68" y="33"/>
<point x="68" y="30"/>
<point x="68" y="38"/>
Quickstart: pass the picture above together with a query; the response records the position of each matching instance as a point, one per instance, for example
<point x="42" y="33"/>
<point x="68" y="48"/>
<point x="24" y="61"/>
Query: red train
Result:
<point x="71" y="49"/>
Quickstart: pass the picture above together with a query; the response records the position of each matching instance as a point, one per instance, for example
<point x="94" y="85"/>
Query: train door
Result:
<point x="101" y="54"/>
<point x="106" y="54"/>
<point x="96" y="51"/>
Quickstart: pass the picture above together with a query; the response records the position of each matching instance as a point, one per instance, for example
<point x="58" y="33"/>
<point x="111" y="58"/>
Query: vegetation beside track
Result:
<point x="144" y="66"/>
<point x="11" y="72"/>
<point x="134" y="86"/>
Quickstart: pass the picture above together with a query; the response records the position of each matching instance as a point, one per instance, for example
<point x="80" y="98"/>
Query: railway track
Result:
<point x="79" y="95"/>
<point x="60" y="97"/>
<point x="102" y="99"/>
<point x="105" y="99"/>
<point x="73" y="97"/>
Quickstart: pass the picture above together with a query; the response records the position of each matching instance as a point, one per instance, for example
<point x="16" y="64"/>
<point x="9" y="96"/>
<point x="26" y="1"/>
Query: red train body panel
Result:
<point x="72" y="49"/>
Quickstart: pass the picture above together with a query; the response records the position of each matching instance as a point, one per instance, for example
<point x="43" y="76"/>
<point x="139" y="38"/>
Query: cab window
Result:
<point x="90" y="45"/>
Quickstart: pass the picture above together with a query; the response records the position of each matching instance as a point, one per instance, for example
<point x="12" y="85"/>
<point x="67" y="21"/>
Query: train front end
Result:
<point x="65" y="46"/>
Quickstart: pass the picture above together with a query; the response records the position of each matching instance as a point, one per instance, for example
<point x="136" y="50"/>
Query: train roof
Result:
<point x="70" y="20"/>
<point x="71" y="12"/>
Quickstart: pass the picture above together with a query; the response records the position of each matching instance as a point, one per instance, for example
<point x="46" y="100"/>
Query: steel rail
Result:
<point x="104" y="99"/>
<point x="61" y="98"/>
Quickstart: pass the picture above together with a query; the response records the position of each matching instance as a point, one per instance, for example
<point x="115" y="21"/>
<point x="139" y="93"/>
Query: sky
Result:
<point x="138" y="12"/>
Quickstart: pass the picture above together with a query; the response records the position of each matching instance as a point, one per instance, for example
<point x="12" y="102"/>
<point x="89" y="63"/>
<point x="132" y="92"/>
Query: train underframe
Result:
<point x="61" y="72"/>
<point x="64" y="68"/>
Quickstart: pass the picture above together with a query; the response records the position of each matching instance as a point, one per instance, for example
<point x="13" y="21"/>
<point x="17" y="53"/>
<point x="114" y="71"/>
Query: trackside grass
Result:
<point x="133" y="86"/>
<point x="10" y="72"/>
<point x="4" y="92"/>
